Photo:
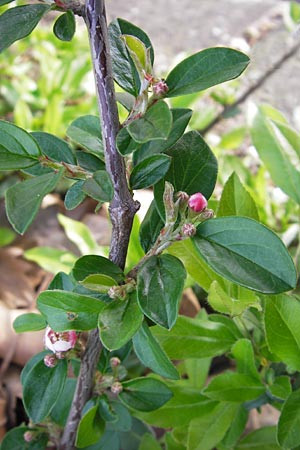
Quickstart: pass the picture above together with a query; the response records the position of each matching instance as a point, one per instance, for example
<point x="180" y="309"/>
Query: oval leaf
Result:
<point x="43" y="383"/>
<point x="205" y="69"/>
<point x="149" y="171"/>
<point x="160" y="283"/>
<point x="14" y="439"/>
<point x="145" y="394"/>
<point x="119" y="321"/>
<point x="247" y="253"/>
<point x="289" y="422"/>
<point x="24" y="199"/>
<point x="65" y="26"/>
<point x="90" y="428"/>
<point x="193" y="168"/>
<point x="18" y="22"/>
<point x="234" y="387"/>
<point x="29" y="322"/>
<point x="155" y="124"/>
<point x="18" y="149"/>
<point x="86" y="131"/>
<point x="151" y="354"/>
<point x="99" y="187"/>
<point x="93" y="264"/>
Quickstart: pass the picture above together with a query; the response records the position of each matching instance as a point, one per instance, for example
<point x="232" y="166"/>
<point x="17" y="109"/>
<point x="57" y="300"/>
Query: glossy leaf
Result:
<point x="151" y="354"/>
<point x="99" y="187"/>
<point x="289" y="421"/>
<point x="247" y="253"/>
<point x="205" y="69"/>
<point x="60" y="412"/>
<point x="150" y="227"/>
<point x="180" y="120"/>
<point x="243" y="353"/>
<point x="29" y="322"/>
<point x="160" y="283"/>
<point x="93" y="264"/>
<point x="282" y="328"/>
<point x="137" y="51"/>
<point x="191" y="338"/>
<point x="236" y="200"/>
<point x="90" y="429"/>
<point x="14" y="439"/>
<point x="124" y="70"/>
<point x="43" y="383"/>
<point x="65" y="26"/>
<point x="18" y="22"/>
<point x="74" y="195"/>
<point x="125" y="143"/>
<point x="145" y="394"/>
<point x="274" y="155"/>
<point x="31" y="363"/>
<point x="69" y="311"/>
<point x="86" y="132"/>
<point x="155" y="124"/>
<point x="193" y="168"/>
<point x="56" y="149"/>
<point x="98" y="282"/>
<point x="24" y="199"/>
<point x="119" y="321"/>
<point x="205" y="432"/>
<point x="89" y="161"/>
<point x="234" y="387"/>
<point x="281" y="388"/>
<point x="237" y="427"/>
<point x="149" y="171"/>
<point x="263" y="438"/>
<point x="18" y="149"/>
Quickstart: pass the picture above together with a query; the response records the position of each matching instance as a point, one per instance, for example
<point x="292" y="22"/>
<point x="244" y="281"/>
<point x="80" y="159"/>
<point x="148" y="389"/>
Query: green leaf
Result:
<point x="60" y="412"/>
<point x="185" y="405"/>
<point x="123" y="418"/>
<point x="99" y="187"/>
<point x="29" y="322"/>
<point x="233" y="139"/>
<point x="31" y="363"/>
<point x="124" y="70"/>
<point x="236" y="200"/>
<point x="160" y="283"/>
<point x="46" y="384"/>
<point x="237" y="427"/>
<point x="119" y="321"/>
<point x="149" y="442"/>
<point x="231" y="304"/>
<point x="79" y="234"/>
<point x="145" y="394"/>
<point x="205" y="69"/>
<point x="247" y="253"/>
<point x="5" y="2"/>
<point x="207" y="431"/>
<point x="193" y="168"/>
<point x="18" y="22"/>
<point x="191" y="338"/>
<point x="7" y="236"/>
<point x="14" y="439"/>
<point x="18" y="149"/>
<point x="149" y="171"/>
<point x="54" y="148"/>
<point x="180" y="120"/>
<point x="125" y="143"/>
<point x="243" y="353"/>
<point x="264" y="438"/>
<point x="234" y="387"/>
<point x="65" y="26"/>
<point x="137" y="51"/>
<point x="197" y="371"/>
<point x="150" y="227"/>
<point x="155" y="124"/>
<point x="274" y="155"/>
<point x="86" y="132"/>
<point x="90" y="429"/>
<point x="89" y="161"/>
<point x="151" y="354"/>
<point x="282" y="328"/>
<point x="51" y="259"/>
<point x="98" y="282"/>
<point x="69" y="311"/>
<point x="92" y="264"/>
<point x="135" y="251"/>
<point x="24" y="199"/>
<point x="281" y="388"/>
<point x="74" y="195"/>
<point x="289" y="422"/>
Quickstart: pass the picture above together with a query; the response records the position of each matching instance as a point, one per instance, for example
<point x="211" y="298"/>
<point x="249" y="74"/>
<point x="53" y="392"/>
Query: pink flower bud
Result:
<point x="60" y="342"/>
<point x="197" y="202"/>
<point x="50" y="360"/>
<point x="114" y="362"/>
<point x="116" y="387"/>
<point x="160" y="88"/>
<point x="28" y="436"/>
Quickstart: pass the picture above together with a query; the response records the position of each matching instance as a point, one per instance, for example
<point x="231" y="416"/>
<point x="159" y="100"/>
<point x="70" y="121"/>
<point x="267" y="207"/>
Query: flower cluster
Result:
<point x="59" y="343"/>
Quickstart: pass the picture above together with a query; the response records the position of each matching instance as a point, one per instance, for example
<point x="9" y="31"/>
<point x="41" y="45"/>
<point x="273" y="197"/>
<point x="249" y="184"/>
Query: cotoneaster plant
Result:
<point x="82" y="392"/>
